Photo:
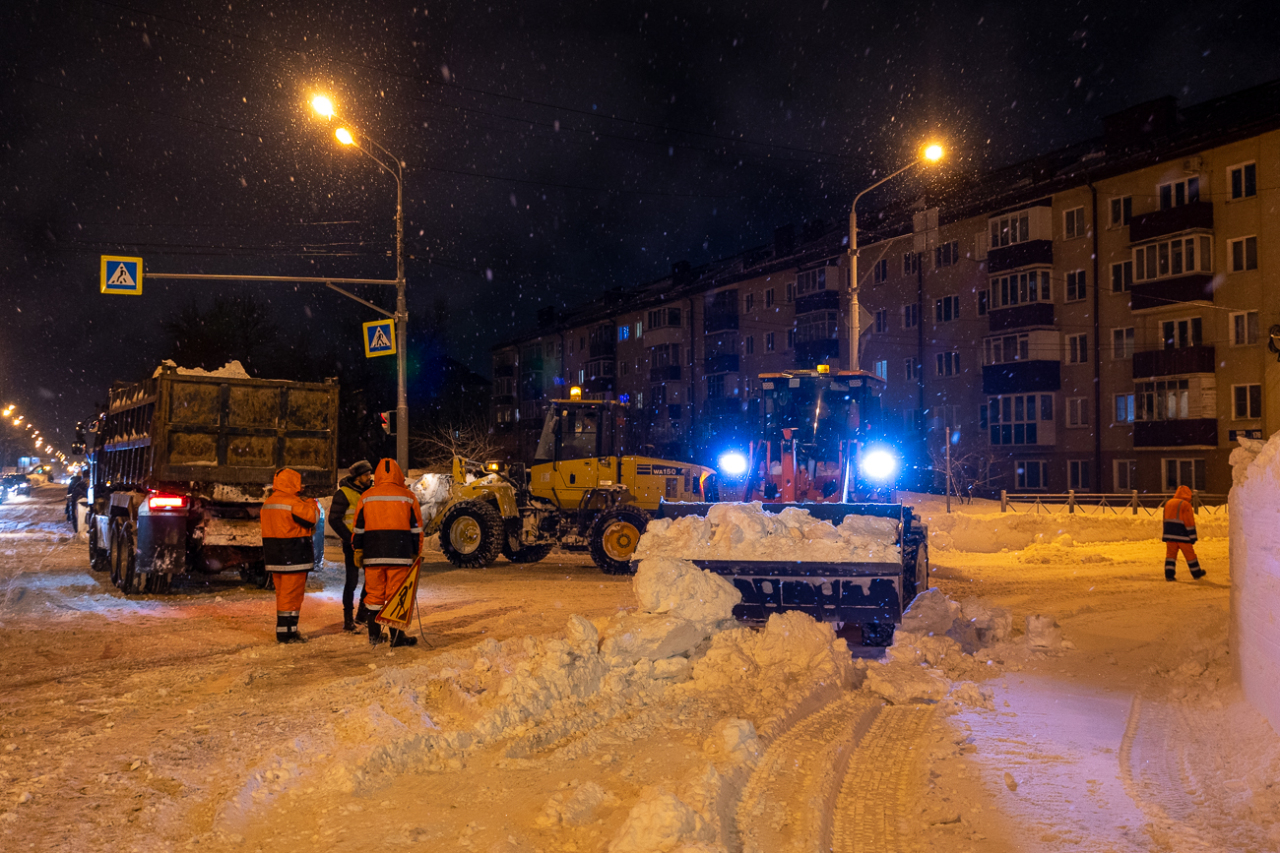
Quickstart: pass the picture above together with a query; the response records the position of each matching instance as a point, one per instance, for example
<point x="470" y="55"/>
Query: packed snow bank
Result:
<point x="1254" y="552"/>
<point x="230" y="370"/>
<point x="738" y="531"/>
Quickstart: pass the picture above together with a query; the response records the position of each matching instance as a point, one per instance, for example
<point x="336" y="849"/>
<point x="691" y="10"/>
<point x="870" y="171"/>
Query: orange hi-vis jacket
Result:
<point x="388" y="528"/>
<point x="287" y="524"/>
<point x="1179" y="517"/>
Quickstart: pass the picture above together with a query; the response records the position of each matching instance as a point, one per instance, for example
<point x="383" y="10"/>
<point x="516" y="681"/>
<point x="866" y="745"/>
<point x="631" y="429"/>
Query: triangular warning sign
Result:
<point x="121" y="277"/>
<point x="380" y="339"/>
<point x="398" y="610"/>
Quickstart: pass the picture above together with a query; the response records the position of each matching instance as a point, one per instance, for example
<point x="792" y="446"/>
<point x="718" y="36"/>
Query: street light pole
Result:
<point x="932" y="154"/>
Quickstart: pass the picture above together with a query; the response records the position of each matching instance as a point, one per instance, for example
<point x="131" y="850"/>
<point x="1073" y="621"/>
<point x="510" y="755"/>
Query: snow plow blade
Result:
<point x="867" y="593"/>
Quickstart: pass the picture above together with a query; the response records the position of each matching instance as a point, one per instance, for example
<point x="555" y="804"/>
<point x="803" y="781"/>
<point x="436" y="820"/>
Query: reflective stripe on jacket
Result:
<point x="1179" y="517"/>
<point x="287" y="523"/>
<point x="388" y="525"/>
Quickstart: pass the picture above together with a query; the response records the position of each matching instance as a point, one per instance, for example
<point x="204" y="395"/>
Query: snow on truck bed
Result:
<point x="745" y="532"/>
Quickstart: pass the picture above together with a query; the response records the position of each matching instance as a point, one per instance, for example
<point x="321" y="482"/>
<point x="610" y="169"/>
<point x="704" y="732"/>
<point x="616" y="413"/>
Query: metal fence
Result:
<point x="1098" y="503"/>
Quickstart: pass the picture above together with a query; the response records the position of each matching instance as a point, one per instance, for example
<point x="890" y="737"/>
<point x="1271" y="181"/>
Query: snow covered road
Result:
<point x="174" y="722"/>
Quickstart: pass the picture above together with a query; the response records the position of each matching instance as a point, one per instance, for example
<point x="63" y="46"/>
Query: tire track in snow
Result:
<point x="788" y="800"/>
<point x="874" y="798"/>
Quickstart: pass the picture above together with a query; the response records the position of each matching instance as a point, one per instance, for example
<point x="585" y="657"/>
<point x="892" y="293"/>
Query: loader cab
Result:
<point x="579" y="449"/>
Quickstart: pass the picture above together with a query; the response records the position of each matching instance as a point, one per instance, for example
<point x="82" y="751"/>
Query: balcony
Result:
<point x="602" y="348"/>
<point x="529" y="365"/>
<point x="1174" y="362"/>
<point x="504" y="400"/>
<point x="1017" y="377"/>
<point x="668" y="373"/>
<point x="1185" y="432"/>
<point x="1159" y="223"/>
<point x="812" y="353"/>
<point x="823" y="300"/>
<point x="721" y="364"/>
<point x="720" y="321"/>
<point x="1020" y="255"/>
<point x="1172" y="291"/>
<point x="504" y="371"/>
<point x="597" y="385"/>
<point x="1021" y="316"/>
<point x="723" y="406"/>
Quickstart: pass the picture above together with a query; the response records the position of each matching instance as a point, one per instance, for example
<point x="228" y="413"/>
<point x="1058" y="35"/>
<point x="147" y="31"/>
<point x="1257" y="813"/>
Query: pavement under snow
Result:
<point x="1051" y="693"/>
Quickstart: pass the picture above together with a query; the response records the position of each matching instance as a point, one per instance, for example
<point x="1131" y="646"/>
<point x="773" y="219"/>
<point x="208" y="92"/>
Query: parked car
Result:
<point x="16" y="484"/>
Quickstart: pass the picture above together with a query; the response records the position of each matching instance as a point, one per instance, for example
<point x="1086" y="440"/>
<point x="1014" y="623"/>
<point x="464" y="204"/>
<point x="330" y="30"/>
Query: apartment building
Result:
<point x="1098" y="318"/>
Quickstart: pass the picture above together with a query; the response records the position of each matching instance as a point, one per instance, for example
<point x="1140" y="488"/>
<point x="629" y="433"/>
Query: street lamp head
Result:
<point x="322" y="105"/>
<point x="344" y="136"/>
<point x="932" y="152"/>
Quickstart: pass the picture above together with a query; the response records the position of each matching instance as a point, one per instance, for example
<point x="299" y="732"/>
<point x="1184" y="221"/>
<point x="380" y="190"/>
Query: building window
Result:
<point x="748" y="302"/>
<point x="911" y="368"/>
<point x="1244" y="328"/>
<point x="811" y="281"/>
<point x="1075" y="286"/>
<point x="946" y="254"/>
<point x="1077" y="411"/>
<point x="1030" y="474"/>
<point x="946" y="309"/>
<point x="1183" y="472"/>
<point x="1179" y="334"/>
<point x="910" y="263"/>
<point x="1121" y="210"/>
<point x="982" y="303"/>
<point x="768" y="298"/>
<point x="910" y="316"/>
<point x="661" y="318"/>
<point x="948" y="363"/>
<point x="1006" y="348"/>
<point x="1179" y="193"/>
<point x="1122" y="277"/>
<point x="639" y="329"/>
<point x="1122" y="343"/>
<point x="1244" y="254"/>
<point x="882" y="320"/>
<point x="791" y="338"/>
<point x="715" y="386"/>
<point x="1013" y="419"/>
<point x="880" y="271"/>
<point x="816" y="326"/>
<point x="1021" y="287"/>
<point x="1078" y="475"/>
<point x="1124" y="408"/>
<point x="1078" y="349"/>
<point x="749" y="343"/>
<point x="1165" y="400"/>
<point x="624" y="332"/>
<point x="1247" y="401"/>
<point x="882" y="368"/>
<point x="1007" y="230"/>
<point x="1172" y="257"/>
<point x="1244" y="180"/>
<point x="768" y="341"/>
<point x="791" y="291"/>
<point x="1124" y="473"/>
<point x="1074" y="222"/>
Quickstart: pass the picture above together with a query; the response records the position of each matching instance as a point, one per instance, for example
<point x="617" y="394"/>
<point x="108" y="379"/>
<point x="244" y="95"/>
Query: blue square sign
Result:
<point x="120" y="275"/>
<point x="379" y="338"/>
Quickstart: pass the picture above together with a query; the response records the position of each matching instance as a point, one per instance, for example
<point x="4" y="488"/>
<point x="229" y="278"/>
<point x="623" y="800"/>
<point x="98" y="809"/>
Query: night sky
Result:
<point x="552" y="150"/>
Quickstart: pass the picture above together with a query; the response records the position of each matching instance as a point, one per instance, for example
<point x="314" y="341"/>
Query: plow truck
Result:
<point x="586" y="490"/>
<point x="822" y="447"/>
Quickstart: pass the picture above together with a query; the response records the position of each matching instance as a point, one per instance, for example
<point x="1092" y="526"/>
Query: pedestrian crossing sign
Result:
<point x="121" y="275"/>
<point x="379" y="338"/>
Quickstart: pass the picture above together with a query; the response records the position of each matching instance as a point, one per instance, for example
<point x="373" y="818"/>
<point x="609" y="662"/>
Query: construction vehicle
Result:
<point x="180" y="464"/>
<point x="823" y="447"/>
<point x="584" y="492"/>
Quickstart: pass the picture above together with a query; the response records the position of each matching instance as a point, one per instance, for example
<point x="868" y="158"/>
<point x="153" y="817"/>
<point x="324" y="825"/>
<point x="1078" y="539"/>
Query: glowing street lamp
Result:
<point x="323" y="106"/>
<point x="931" y="153"/>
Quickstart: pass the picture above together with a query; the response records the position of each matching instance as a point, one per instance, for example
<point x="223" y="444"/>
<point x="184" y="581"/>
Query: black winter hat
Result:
<point x="361" y="467"/>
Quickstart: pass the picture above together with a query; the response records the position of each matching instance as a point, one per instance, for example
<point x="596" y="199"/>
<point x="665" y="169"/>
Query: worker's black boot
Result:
<point x="400" y="638"/>
<point x="362" y="613"/>
<point x="292" y="635"/>
<point x="375" y="630"/>
<point x="1196" y="571"/>
<point x="348" y="623"/>
<point x="282" y="628"/>
<point x="1170" y="570"/>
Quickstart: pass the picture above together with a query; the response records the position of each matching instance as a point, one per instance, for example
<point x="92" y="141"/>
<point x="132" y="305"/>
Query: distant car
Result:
<point x="15" y="484"/>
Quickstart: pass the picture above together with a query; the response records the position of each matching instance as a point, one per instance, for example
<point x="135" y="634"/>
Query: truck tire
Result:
<point x="471" y="535"/>
<point x="115" y="533"/>
<point x="99" y="558"/>
<point x="614" y="538"/>
<point x="527" y="554"/>
<point x="132" y="581"/>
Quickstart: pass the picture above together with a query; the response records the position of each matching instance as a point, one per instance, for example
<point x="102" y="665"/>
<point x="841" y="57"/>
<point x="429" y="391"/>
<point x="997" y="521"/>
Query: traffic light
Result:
<point x="388" y="418"/>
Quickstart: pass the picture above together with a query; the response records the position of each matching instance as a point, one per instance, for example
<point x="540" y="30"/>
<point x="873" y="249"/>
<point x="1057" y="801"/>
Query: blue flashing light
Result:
<point x="879" y="464"/>
<point x="733" y="464"/>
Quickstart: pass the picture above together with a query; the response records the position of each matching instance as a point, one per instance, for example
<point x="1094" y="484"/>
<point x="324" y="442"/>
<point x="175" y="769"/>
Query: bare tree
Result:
<point x="470" y="438"/>
<point x="972" y="470"/>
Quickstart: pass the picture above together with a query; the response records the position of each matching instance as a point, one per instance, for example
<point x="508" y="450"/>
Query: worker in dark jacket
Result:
<point x="77" y="490"/>
<point x="288" y="521"/>
<point x="342" y="517"/>
<point x="387" y="539"/>
<point x="1180" y="534"/>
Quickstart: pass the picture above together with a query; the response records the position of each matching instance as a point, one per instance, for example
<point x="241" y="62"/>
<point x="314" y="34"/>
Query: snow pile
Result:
<point x="990" y="532"/>
<point x="578" y="808"/>
<point x="1255" y="572"/>
<point x="738" y="531"/>
<point x="230" y="370"/>
<point x="432" y="491"/>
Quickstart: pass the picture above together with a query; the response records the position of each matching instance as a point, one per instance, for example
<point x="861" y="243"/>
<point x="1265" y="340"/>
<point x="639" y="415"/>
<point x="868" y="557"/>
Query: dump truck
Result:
<point x="180" y="463"/>
<point x="585" y="491"/>
<point x="822" y="446"/>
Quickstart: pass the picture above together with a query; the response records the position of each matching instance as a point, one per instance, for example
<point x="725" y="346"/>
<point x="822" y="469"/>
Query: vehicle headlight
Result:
<point x="879" y="464"/>
<point x="733" y="464"/>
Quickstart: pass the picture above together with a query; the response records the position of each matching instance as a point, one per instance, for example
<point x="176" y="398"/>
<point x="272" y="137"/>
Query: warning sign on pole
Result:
<point x="398" y="610"/>
<point x="120" y="275"/>
<point x="379" y="338"/>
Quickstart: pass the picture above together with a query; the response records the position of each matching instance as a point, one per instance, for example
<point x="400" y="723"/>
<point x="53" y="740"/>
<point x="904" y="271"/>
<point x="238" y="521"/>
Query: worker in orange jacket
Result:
<point x="287" y="524"/>
<point x="1180" y="534"/>
<point x="386" y="538"/>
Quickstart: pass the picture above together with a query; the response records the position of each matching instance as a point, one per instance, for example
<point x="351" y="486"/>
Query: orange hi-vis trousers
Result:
<point x="380" y="582"/>
<point x="1172" y="549"/>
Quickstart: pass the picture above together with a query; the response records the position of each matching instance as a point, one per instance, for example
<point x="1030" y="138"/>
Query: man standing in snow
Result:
<point x="287" y="523"/>
<point x="387" y="539"/>
<point x="1180" y="534"/>
<point x="342" y="516"/>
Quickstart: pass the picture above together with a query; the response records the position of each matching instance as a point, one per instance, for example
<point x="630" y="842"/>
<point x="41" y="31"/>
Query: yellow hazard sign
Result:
<point x="398" y="610"/>
<point x="379" y="338"/>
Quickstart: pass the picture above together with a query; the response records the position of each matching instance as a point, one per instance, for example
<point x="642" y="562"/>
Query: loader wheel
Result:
<point x="877" y="634"/>
<point x="471" y="535"/>
<point x="527" y="554"/>
<point x="614" y="538"/>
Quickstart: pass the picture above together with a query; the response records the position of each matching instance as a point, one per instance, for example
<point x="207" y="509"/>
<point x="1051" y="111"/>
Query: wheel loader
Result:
<point x="583" y="492"/>
<point x="822" y="446"/>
